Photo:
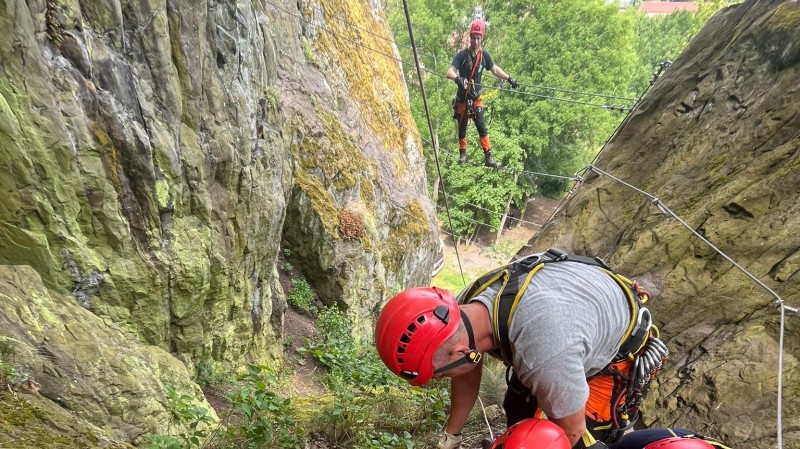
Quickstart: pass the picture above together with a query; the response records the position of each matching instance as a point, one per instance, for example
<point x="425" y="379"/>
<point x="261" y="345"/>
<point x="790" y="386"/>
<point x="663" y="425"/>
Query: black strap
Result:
<point x="474" y="356"/>
<point x="516" y="276"/>
<point x="518" y="271"/>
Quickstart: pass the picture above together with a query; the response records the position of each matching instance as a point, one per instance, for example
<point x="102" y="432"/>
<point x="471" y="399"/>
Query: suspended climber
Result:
<point x="535" y="433"/>
<point x="466" y="70"/>
<point x="578" y="343"/>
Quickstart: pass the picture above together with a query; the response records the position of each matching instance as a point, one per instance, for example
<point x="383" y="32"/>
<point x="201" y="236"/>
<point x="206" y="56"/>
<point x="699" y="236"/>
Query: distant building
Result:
<point x="623" y="4"/>
<point x="654" y="8"/>
<point x="661" y="8"/>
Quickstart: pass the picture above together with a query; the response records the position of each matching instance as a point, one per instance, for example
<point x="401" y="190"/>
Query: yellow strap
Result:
<point x="502" y="274"/>
<point x="625" y="283"/>
<point x="522" y="289"/>
<point x="588" y="439"/>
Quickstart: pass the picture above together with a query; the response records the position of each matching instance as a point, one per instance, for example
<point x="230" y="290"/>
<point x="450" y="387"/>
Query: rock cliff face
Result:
<point x="158" y="156"/>
<point x="717" y="140"/>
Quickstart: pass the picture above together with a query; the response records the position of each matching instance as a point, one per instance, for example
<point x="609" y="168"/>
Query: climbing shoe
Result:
<point x="462" y="155"/>
<point x="489" y="161"/>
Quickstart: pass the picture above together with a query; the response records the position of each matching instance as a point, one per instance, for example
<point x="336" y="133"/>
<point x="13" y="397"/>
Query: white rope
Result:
<point x="486" y="418"/>
<point x="664" y="209"/>
<point x="780" y="378"/>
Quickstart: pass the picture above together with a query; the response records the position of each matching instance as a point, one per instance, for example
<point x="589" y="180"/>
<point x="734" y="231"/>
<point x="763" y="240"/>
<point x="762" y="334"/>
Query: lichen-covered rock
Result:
<point x="717" y="140"/>
<point x="92" y="368"/>
<point x="156" y="158"/>
<point x="153" y="151"/>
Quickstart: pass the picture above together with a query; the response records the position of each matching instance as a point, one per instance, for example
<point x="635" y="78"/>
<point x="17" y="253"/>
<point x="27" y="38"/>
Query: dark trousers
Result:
<point x="519" y="403"/>
<point x="477" y="117"/>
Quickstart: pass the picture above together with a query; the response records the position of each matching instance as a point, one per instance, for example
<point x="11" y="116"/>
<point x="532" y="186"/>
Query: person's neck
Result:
<point x="481" y="326"/>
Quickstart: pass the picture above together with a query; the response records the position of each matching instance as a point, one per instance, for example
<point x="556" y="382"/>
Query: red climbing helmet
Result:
<point x="410" y="329"/>
<point x="478" y="27"/>
<point x="679" y="443"/>
<point x="533" y="433"/>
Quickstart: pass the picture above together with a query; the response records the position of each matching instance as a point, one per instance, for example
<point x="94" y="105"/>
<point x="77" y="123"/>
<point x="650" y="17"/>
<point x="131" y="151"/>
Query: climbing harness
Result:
<point x="518" y="274"/>
<point x="470" y="100"/>
<point x="640" y="347"/>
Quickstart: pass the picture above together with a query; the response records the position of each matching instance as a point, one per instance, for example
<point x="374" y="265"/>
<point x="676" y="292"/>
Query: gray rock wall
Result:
<point x="717" y="140"/>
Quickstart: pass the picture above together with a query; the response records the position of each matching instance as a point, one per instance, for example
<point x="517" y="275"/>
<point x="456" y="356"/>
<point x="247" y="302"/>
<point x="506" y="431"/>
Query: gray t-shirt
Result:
<point x="566" y="327"/>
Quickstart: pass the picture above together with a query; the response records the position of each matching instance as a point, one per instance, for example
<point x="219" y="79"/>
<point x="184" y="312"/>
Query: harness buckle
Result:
<point x="529" y="261"/>
<point x="638" y="337"/>
<point x="556" y="254"/>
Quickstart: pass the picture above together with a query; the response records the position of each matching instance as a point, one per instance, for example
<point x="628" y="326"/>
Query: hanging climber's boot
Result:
<point x="489" y="161"/>
<point x="462" y="155"/>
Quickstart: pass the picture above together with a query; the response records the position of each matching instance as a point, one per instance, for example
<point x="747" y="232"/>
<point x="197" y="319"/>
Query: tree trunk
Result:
<point x="505" y="213"/>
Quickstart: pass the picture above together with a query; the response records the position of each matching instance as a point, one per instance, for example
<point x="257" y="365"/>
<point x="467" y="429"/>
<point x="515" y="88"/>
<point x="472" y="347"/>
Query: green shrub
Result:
<point x="208" y="375"/>
<point x="194" y="423"/>
<point x="10" y="375"/>
<point x="257" y="418"/>
<point x="260" y="417"/>
<point x="301" y="297"/>
<point x="371" y="407"/>
<point x="308" y="52"/>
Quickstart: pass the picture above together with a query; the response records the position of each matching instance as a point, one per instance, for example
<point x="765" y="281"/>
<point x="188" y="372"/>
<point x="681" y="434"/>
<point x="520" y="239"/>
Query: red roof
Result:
<point x="666" y="7"/>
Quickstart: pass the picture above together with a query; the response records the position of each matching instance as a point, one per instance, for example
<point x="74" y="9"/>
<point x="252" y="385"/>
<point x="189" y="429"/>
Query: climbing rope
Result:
<point x="430" y="130"/>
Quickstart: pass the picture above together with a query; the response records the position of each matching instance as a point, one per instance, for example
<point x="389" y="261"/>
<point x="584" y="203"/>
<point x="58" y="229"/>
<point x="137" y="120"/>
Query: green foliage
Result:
<point x="662" y="38"/>
<point x="308" y="52"/>
<point x="194" y="423"/>
<point x="261" y="417"/>
<point x="574" y="45"/>
<point x="258" y="417"/>
<point x="208" y="376"/>
<point x="348" y="362"/>
<point x="287" y="267"/>
<point x="11" y="374"/>
<point x="371" y="407"/>
<point x="301" y="297"/>
<point x="272" y="97"/>
<point x="8" y="373"/>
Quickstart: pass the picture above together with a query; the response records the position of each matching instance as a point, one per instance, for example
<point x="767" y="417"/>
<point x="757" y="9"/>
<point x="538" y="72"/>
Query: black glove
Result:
<point x="461" y="82"/>
<point x="513" y="82"/>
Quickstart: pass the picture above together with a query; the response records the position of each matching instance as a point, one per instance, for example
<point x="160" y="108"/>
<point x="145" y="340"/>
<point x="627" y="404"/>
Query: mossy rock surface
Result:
<point x="29" y="421"/>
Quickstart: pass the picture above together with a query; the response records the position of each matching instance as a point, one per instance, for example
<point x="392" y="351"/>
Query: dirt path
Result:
<point x="484" y="254"/>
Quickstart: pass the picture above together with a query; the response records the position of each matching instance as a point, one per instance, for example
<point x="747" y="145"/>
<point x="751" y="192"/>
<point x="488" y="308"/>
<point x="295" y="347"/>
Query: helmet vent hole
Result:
<point x="412" y="328"/>
<point x="405" y="339"/>
<point x="421" y="320"/>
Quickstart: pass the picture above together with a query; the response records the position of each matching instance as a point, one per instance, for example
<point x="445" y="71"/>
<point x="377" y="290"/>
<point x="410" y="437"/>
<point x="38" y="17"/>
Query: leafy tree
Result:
<point x="576" y="46"/>
<point x="573" y="45"/>
<point x="662" y="38"/>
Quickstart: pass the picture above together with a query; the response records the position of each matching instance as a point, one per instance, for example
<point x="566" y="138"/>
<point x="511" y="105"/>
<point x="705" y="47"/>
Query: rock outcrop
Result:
<point x="716" y="140"/>
<point x="158" y="156"/>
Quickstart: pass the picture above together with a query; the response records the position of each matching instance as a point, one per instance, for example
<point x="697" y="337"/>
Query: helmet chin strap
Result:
<point x="473" y="356"/>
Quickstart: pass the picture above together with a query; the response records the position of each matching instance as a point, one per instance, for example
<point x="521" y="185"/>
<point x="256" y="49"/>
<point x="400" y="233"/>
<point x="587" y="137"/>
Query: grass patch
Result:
<point x="450" y="278"/>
